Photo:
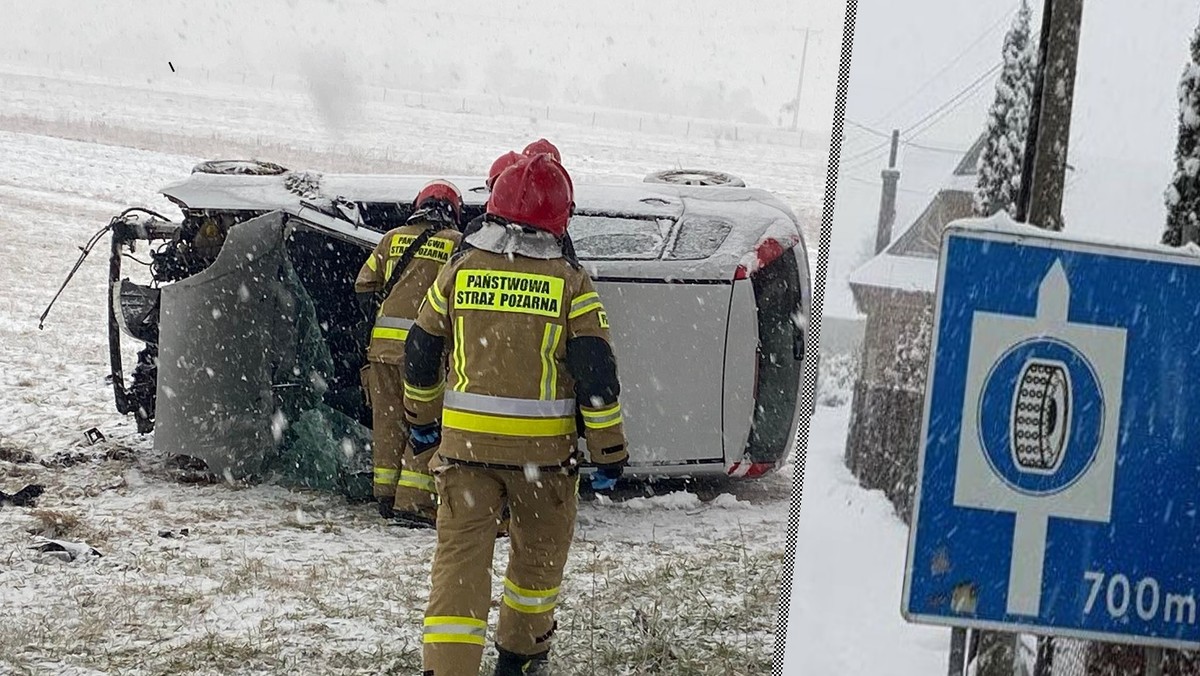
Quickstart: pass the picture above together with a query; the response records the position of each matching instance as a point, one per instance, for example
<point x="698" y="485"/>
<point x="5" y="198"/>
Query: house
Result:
<point x="895" y="290"/>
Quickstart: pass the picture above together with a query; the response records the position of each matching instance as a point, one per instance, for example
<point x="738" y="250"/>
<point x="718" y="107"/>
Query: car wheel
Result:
<point x="696" y="177"/>
<point x="245" y="167"/>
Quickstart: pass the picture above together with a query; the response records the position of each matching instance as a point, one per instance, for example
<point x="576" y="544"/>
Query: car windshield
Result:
<point x="699" y="238"/>
<point x="618" y="237"/>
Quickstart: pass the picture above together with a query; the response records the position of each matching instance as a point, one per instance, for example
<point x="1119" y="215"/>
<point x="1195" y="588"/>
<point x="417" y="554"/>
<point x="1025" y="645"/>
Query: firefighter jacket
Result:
<point x="399" y="309"/>
<point x="530" y="354"/>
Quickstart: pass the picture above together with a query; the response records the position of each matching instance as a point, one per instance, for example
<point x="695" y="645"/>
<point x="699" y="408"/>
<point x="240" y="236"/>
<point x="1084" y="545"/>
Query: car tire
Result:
<point x="243" y="167"/>
<point x="702" y="177"/>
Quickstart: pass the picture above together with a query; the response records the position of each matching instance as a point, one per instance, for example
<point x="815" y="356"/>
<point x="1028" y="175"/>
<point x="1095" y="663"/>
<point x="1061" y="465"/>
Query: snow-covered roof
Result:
<point x="901" y="273"/>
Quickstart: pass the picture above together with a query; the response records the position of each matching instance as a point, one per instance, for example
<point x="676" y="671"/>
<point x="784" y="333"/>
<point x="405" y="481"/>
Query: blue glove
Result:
<point x="425" y="437"/>
<point x="605" y="478"/>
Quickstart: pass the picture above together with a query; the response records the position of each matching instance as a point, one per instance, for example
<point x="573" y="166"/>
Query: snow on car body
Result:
<point x="706" y="288"/>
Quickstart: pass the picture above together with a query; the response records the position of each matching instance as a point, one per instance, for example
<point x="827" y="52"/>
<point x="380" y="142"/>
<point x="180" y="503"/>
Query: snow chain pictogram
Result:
<point x="1041" y="416"/>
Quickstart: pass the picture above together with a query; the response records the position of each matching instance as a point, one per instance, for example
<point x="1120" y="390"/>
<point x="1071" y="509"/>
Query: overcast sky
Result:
<point x="717" y="57"/>
<point x="912" y="58"/>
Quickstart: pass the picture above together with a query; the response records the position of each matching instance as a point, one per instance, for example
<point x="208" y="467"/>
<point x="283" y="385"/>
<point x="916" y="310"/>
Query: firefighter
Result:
<point x="391" y="286"/>
<point x="529" y="343"/>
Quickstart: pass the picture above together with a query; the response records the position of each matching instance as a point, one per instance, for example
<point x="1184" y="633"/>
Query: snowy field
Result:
<point x="279" y="581"/>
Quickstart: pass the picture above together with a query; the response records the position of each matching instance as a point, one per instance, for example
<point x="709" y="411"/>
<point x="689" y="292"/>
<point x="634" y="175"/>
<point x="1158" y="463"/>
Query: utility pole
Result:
<point x="887" y="199"/>
<point x="800" y="85"/>
<point x="1039" y="203"/>
<point x="1050" y="124"/>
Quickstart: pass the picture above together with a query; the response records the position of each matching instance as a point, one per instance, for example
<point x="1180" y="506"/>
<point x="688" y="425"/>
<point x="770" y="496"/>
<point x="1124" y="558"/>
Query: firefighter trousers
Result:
<point x="542" y="524"/>
<point x="397" y="473"/>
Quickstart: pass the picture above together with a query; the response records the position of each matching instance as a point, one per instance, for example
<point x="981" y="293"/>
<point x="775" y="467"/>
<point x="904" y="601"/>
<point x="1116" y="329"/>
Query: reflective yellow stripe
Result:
<point x="602" y="425"/>
<point x="423" y="394"/>
<point x="585" y="304"/>
<point x="389" y="334"/>
<point x="455" y="638"/>
<point x="550" y="340"/>
<point x="372" y="263"/>
<point x="386" y="476"/>
<point x="531" y="601"/>
<point x="506" y="425"/>
<point x="435" y="298"/>
<point x="391" y="265"/>
<point x="436" y="620"/>
<point x="603" y="418"/>
<point x="583" y="299"/>
<point x="460" y="357"/>
<point x="450" y="629"/>
<point x="601" y="413"/>
<point x="514" y="406"/>
<point x="417" y="480"/>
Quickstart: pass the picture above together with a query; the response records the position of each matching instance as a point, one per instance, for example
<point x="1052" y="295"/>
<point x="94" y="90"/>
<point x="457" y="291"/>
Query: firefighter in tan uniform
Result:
<point x="529" y="349"/>
<point x="403" y="486"/>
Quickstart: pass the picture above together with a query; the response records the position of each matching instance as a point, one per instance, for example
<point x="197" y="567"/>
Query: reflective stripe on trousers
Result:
<point x="386" y="476"/>
<point x="417" y="480"/>
<point x="452" y="629"/>
<point x="529" y="601"/>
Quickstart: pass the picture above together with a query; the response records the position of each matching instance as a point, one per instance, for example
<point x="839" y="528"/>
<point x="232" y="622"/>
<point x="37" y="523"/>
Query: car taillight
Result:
<point x="767" y="252"/>
<point x="749" y="470"/>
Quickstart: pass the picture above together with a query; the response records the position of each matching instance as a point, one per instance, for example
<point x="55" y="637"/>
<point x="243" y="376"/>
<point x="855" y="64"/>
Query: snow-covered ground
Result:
<point x="279" y="581"/>
<point x="848" y="574"/>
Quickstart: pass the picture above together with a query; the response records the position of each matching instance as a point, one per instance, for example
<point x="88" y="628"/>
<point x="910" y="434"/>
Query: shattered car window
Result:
<point x="699" y="238"/>
<point x="615" y="237"/>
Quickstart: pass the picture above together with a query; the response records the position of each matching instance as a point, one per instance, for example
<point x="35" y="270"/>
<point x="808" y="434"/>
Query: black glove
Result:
<point x="425" y="437"/>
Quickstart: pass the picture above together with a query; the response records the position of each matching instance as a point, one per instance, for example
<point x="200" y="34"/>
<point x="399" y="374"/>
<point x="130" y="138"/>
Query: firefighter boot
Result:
<point x="385" y="506"/>
<point x="416" y="493"/>
<point x="512" y="664"/>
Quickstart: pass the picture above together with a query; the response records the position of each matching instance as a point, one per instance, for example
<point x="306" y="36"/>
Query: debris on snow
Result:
<point x="26" y="497"/>
<point x="64" y="550"/>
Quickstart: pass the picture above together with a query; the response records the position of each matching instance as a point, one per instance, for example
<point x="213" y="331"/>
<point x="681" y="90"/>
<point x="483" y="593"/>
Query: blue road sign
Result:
<point x="1059" y="475"/>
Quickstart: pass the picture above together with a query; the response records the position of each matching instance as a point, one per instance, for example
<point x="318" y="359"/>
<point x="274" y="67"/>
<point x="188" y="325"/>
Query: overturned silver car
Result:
<point x="251" y="342"/>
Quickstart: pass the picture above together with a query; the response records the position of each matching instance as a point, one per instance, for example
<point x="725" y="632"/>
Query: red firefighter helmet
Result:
<point x="542" y="146"/>
<point x="439" y="201"/>
<point x="536" y="191"/>
<point x="503" y="162"/>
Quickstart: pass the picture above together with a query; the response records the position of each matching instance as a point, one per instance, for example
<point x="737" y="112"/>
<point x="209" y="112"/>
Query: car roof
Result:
<point x="754" y="214"/>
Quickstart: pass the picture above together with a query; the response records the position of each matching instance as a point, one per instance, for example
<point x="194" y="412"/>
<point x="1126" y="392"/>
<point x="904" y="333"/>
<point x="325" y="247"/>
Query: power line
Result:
<point x="869" y="130"/>
<point x="947" y="66"/>
<point x="932" y="117"/>
<point x="877" y="183"/>
<point x="935" y="149"/>
<point x="869" y="153"/>
<point x="909" y="144"/>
